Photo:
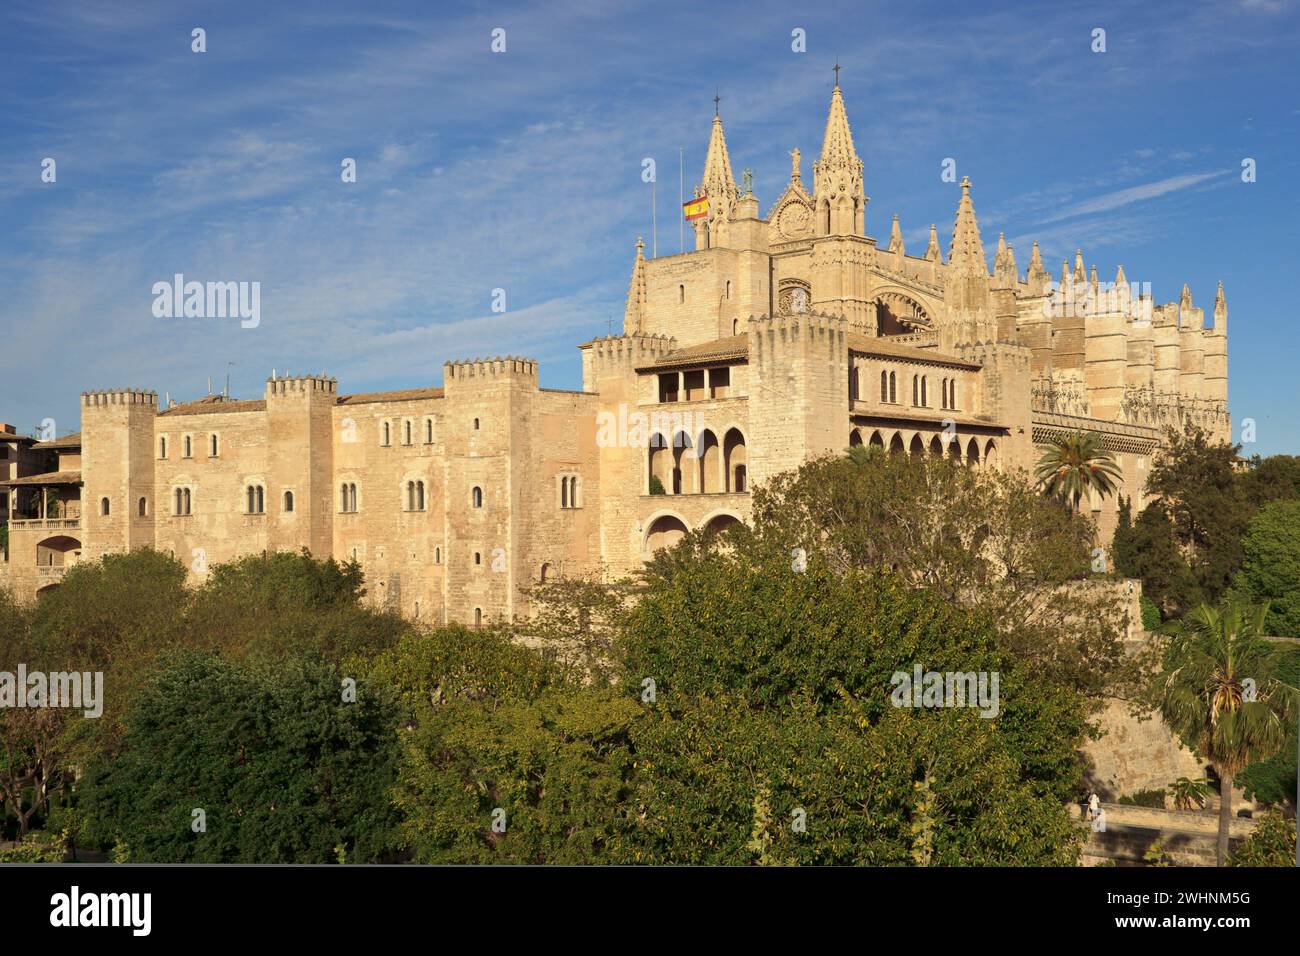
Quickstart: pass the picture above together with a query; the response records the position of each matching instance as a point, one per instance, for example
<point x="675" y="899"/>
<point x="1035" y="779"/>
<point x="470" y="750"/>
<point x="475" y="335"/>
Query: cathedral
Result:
<point x="779" y="337"/>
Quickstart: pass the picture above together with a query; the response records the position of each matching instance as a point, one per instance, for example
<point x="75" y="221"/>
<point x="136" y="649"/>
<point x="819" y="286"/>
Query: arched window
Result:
<point x="189" y="447"/>
<point x="406" y="433"/>
<point x="419" y="496"/>
<point x="252" y="501"/>
<point x="925" y="400"/>
<point x="952" y="393"/>
<point x="428" y="431"/>
<point x="728" y="288"/>
<point x="261" y="500"/>
<point x="478" y="617"/>
<point x="212" y="446"/>
<point x="143" y="508"/>
<point x="478" y="558"/>
<point x="476" y="424"/>
<point x="343" y="497"/>
<point x="410" y="496"/>
<point x="288" y="501"/>
<point x="437" y="555"/>
<point x="352" y="497"/>
<point x="104" y="506"/>
<point x="476" y="497"/>
<point x="853" y="384"/>
<point x="387" y="433"/>
<point x="884" y="386"/>
<point x="916" y="390"/>
<point x="162" y="447"/>
<point x="893" y="392"/>
<point x="187" y="501"/>
<point x="564" y="492"/>
<point x="176" y="509"/>
<point x="681" y="293"/>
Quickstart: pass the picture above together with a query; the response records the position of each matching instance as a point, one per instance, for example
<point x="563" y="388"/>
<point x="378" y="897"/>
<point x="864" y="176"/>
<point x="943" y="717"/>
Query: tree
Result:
<point x="772" y="689"/>
<point x="1271" y="568"/>
<point x="1076" y="465"/>
<point x="1271" y="479"/>
<point x="1272" y="843"/>
<point x="255" y="763"/>
<point x="1150" y="552"/>
<point x="1201" y="493"/>
<point x="985" y="540"/>
<point x="273" y="604"/>
<point x="506" y="755"/>
<point x="1218" y="693"/>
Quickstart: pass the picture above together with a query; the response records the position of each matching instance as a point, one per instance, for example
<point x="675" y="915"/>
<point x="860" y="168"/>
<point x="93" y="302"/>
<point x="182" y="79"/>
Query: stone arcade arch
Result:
<point x="664" y="531"/>
<point x="57" y="551"/>
<point x="733" y="449"/>
<point x="899" y="314"/>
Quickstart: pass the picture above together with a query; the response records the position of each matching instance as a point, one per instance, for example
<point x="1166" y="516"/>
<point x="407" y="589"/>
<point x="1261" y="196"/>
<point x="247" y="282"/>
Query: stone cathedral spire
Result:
<point x="634" y="315"/>
<point x="841" y="203"/>
<point x="718" y="185"/>
<point x="966" y="253"/>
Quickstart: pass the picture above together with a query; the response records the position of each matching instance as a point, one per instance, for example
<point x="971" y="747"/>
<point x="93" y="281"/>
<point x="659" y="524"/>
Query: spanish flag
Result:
<point x="695" y="208"/>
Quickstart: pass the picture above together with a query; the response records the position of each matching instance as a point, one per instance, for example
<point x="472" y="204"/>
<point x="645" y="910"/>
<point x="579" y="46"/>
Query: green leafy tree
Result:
<point x="1199" y="487"/>
<point x="506" y="755"/>
<point x="1150" y="552"/>
<point x="779" y="695"/>
<point x="1271" y="479"/>
<point x="1272" y="843"/>
<point x="282" y="765"/>
<point x="984" y="540"/>
<point x="274" y="604"/>
<point x="1271" y="569"/>
<point x="1076" y="465"/>
<point x="1219" y="694"/>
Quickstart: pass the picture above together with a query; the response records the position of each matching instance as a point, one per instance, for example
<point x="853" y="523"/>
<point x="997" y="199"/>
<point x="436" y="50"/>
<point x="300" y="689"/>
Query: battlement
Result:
<point x="635" y="349"/>
<point x="289" y="386"/>
<point x="497" y="367"/>
<point x="987" y="352"/>
<point x="808" y="325"/>
<point x="118" y="396"/>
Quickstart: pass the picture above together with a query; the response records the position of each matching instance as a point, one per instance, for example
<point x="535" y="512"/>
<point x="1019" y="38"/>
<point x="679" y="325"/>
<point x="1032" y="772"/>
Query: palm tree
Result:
<point x="1218" y="694"/>
<point x="1076" y="464"/>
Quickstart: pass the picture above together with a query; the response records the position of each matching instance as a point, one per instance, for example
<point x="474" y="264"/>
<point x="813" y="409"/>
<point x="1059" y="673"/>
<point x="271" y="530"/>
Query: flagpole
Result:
<point x="654" y="220"/>
<point x="681" y="200"/>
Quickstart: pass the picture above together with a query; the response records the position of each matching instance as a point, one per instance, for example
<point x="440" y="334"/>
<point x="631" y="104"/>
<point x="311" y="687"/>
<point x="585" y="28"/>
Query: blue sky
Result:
<point x="522" y="170"/>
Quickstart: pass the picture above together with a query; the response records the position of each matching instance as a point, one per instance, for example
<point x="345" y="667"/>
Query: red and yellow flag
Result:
<point x="695" y="208"/>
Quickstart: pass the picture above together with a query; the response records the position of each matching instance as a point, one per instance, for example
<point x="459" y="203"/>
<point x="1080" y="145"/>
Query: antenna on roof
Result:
<point x="209" y="385"/>
<point x="226" y="394"/>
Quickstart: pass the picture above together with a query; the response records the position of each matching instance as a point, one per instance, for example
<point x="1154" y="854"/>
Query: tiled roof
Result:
<point x="732" y="347"/>
<point x="405" y="395"/>
<point x="216" y="405"/>
<point x="67" y="441"/>
<point x="881" y="345"/>
<point x="737" y="347"/>
<point x="49" y="478"/>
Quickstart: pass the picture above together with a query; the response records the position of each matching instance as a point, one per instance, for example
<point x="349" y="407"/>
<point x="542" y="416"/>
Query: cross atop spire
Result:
<point x="717" y="100"/>
<point x="837" y="74"/>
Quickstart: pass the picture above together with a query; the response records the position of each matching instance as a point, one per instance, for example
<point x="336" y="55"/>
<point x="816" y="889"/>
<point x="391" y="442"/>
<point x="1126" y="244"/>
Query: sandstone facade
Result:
<point x="777" y="338"/>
